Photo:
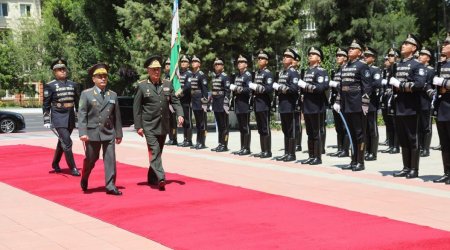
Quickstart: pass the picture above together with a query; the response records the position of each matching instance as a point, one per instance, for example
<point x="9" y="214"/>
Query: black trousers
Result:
<point x="372" y="124"/>
<point x="187" y="123"/>
<point x="406" y="127"/>
<point x="109" y="161"/>
<point x="243" y="122"/>
<point x="338" y="124"/>
<point x="200" y="119"/>
<point x="356" y="124"/>
<point x="444" y="135"/>
<point x="425" y="126"/>
<point x="173" y="122"/>
<point x="313" y="126"/>
<point x="222" y="126"/>
<point x="263" y="122"/>
<point x="65" y="147"/>
<point x="390" y="127"/>
<point x="288" y="125"/>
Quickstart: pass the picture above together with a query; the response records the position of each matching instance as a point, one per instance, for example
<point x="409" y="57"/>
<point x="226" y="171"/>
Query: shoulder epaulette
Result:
<point x="224" y="74"/>
<point x="52" y="81"/>
<point x="267" y="70"/>
<point x="248" y="73"/>
<point x="200" y="72"/>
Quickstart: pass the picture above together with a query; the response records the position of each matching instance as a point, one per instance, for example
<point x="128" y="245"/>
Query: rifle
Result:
<point x="332" y="97"/>
<point x="299" y="100"/>
<point x="391" y="101"/>
<point x="383" y="90"/>
<point x="273" y="107"/>
<point x="436" y="97"/>
<point x="232" y="97"/>
<point x="251" y="100"/>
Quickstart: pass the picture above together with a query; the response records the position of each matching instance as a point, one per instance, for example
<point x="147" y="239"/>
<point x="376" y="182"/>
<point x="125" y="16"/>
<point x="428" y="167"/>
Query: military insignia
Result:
<point x="269" y="80"/>
<point x="421" y="72"/>
<point x="148" y="90"/>
<point x="367" y="73"/>
<point x="376" y="76"/>
<point x="46" y="94"/>
<point x="320" y="79"/>
<point x="94" y="100"/>
<point x="326" y="78"/>
<point x="166" y="89"/>
<point x="205" y="82"/>
<point x="189" y="80"/>
<point x="295" y="80"/>
<point x="112" y="101"/>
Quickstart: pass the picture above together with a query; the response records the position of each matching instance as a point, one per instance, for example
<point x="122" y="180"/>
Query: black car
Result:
<point x="11" y="122"/>
<point x="126" y="110"/>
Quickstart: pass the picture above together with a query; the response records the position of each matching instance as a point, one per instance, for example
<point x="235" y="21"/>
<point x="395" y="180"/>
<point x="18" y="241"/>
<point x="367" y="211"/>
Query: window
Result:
<point x="3" y="9"/>
<point x="25" y="10"/>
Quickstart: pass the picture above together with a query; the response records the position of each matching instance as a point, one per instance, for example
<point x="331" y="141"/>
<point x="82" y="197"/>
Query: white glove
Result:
<point x="438" y="81"/>
<point x="337" y="107"/>
<point x="47" y="125"/>
<point x="383" y="82"/>
<point x="301" y="83"/>
<point x="252" y="85"/>
<point x="394" y="82"/>
<point x="365" y="109"/>
<point x="232" y="87"/>
<point x="333" y="84"/>
<point x="276" y="86"/>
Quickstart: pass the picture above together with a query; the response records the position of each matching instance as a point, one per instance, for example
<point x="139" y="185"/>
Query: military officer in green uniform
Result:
<point x="100" y="126"/>
<point x="151" y="116"/>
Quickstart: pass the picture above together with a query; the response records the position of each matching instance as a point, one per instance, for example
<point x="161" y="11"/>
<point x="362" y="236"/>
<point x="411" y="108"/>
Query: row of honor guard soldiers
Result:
<point x="405" y="91"/>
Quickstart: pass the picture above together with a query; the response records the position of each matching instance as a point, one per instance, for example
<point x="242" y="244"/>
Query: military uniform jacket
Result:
<point x="314" y="97"/>
<point x="151" y="107"/>
<point x="335" y="90"/>
<point x="264" y="78"/>
<point x="287" y="102"/>
<point x="425" y="100"/>
<point x="220" y="90"/>
<point x="444" y="94"/>
<point x="242" y="100"/>
<point x="185" y="99"/>
<point x="412" y="77"/>
<point x="98" y="117"/>
<point x="60" y="99"/>
<point x="375" y="73"/>
<point x="198" y="83"/>
<point x="355" y="83"/>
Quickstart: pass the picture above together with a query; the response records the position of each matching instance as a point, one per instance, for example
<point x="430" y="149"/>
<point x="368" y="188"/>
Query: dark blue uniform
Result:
<point x="172" y="121"/>
<point x="372" y="135"/>
<point x="425" y="132"/>
<point x="387" y="111"/>
<point x="198" y="84"/>
<point x="343" y="142"/>
<point x="221" y="98"/>
<point x="242" y="109"/>
<point x="60" y="103"/>
<point x="185" y="100"/>
<point x="443" y="119"/>
<point x="412" y="76"/>
<point x="355" y="88"/>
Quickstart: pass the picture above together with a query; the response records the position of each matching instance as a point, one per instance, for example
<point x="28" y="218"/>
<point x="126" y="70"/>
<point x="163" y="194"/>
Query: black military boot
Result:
<point x="353" y="161"/>
<point x="406" y="157"/>
<point x="339" y="145"/>
<point x="415" y="157"/>
<point x="291" y="150"/>
<point x="224" y="143"/>
<point x="373" y="149"/>
<point x="298" y="142"/>
<point x="172" y="137"/>
<point x="188" y="140"/>
<point x="56" y="158"/>
<point x="446" y="163"/>
<point x="317" y="152"/>
<point x="267" y="152"/>
<point x="426" y="145"/>
<point x="261" y="143"/>
<point x="360" y="157"/>
<point x="323" y="137"/>
<point x="71" y="163"/>
<point x="281" y="158"/>
<point x="184" y="138"/>
<point x="345" y="147"/>
<point x="242" y="145"/>
<point x="395" y="148"/>
<point x="219" y="138"/>
<point x="310" y="152"/>
<point x="247" y="140"/>
<point x="201" y="137"/>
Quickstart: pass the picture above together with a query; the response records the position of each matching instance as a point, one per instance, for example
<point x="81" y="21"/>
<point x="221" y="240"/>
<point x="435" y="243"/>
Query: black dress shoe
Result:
<point x="425" y="153"/>
<point x="215" y="149"/>
<point x="57" y="169"/>
<point x="315" y="161"/>
<point x="371" y="157"/>
<point x="349" y="166"/>
<point x="334" y="154"/>
<point x="281" y="158"/>
<point x="114" y="191"/>
<point x="258" y="155"/>
<point x="162" y="185"/>
<point x="265" y="155"/>
<point x="74" y="172"/>
<point x="447" y="182"/>
<point x="222" y="149"/>
<point x="401" y="173"/>
<point x="289" y="157"/>
<point x="307" y="161"/>
<point x="171" y="142"/>
<point x="186" y="144"/>
<point x="200" y="146"/>
<point x="394" y="151"/>
<point x="442" y="179"/>
<point x="237" y="152"/>
<point x="246" y="151"/>
<point x="84" y="185"/>
<point x="343" y="154"/>
<point x="412" y="174"/>
<point x="358" y="167"/>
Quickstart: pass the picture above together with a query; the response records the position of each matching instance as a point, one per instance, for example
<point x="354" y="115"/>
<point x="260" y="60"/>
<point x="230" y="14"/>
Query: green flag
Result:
<point x="175" y="48"/>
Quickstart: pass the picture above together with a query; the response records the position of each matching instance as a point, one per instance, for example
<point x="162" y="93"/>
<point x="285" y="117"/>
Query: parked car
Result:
<point x="11" y="122"/>
<point x="126" y="110"/>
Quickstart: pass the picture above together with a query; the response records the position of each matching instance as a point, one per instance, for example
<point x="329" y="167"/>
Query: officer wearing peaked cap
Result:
<point x="185" y="99"/>
<point x="313" y="85"/>
<point x="426" y="96"/>
<point x="221" y="104"/>
<point x="61" y="98"/>
<point x="442" y="82"/>
<point x="151" y="116"/>
<point x="407" y="83"/>
<point x="343" y="141"/>
<point x="100" y="126"/>
<point x="287" y="90"/>
<point x="353" y="101"/>
<point x="370" y="56"/>
<point x="242" y="91"/>
<point x="198" y="83"/>
<point x="262" y="88"/>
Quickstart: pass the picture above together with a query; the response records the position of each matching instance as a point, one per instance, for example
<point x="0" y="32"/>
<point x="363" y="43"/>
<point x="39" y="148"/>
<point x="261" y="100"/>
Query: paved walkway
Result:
<point x="373" y="191"/>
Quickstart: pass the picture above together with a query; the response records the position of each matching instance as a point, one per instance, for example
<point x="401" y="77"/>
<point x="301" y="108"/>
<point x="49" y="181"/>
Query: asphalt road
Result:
<point x="34" y="123"/>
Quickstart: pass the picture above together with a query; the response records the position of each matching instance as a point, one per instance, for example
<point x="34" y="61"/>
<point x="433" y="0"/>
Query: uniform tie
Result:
<point x="103" y="94"/>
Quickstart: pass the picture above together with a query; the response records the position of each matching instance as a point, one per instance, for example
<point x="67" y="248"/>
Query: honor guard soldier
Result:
<point x="425" y="126"/>
<point x="388" y="110"/>
<point x="298" y="112"/>
<point x="343" y="141"/>
<point x="242" y="92"/>
<point x="372" y="136"/>
<point x="221" y="104"/>
<point x="151" y="117"/>
<point x="442" y="82"/>
<point x="263" y="93"/>
<point x="173" y="116"/>
<point x="198" y="83"/>
<point x="61" y="98"/>
<point x="185" y="100"/>
<point x="313" y="87"/>
<point x="408" y="82"/>
<point x="288" y="90"/>
<point x="353" y="100"/>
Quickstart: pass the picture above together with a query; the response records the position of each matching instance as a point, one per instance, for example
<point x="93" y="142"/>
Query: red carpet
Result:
<point x="198" y="214"/>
